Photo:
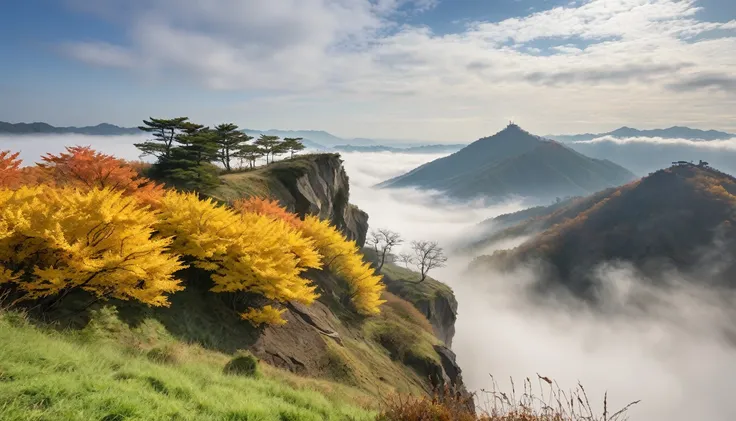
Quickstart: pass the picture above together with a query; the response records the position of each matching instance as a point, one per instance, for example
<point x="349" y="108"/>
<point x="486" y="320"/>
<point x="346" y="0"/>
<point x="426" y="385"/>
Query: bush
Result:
<point x="167" y="354"/>
<point x="243" y="364"/>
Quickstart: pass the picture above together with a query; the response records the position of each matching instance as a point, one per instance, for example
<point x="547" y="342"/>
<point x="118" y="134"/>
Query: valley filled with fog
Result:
<point x="672" y="354"/>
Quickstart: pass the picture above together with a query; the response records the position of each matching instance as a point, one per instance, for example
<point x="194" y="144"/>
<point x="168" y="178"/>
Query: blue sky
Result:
<point x="422" y="69"/>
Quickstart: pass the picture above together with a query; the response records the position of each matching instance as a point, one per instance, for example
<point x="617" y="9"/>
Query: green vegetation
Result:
<point x="186" y="151"/>
<point x="105" y="372"/>
<point x="268" y="181"/>
<point x="243" y="364"/>
<point x="405" y="283"/>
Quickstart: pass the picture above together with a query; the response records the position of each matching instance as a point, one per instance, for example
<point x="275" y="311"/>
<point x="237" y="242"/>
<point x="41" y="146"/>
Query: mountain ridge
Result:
<point x="668" y="219"/>
<point x="674" y="132"/>
<point x="102" y="129"/>
<point x="514" y="162"/>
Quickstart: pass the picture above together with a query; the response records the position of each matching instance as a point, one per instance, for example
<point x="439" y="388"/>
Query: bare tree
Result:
<point x="427" y="256"/>
<point x="406" y="259"/>
<point x="382" y="241"/>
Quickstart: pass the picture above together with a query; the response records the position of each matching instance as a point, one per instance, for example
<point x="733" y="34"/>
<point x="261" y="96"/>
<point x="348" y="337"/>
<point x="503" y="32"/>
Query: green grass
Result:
<point x="89" y="375"/>
<point x="404" y="284"/>
<point x="266" y="181"/>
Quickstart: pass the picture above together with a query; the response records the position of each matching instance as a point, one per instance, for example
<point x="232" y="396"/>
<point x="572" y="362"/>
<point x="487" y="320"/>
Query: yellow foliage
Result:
<point x="344" y="259"/>
<point x="57" y="239"/>
<point x="267" y="314"/>
<point x="244" y="251"/>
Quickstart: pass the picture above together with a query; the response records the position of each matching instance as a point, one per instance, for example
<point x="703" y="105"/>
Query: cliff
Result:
<point x="308" y="184"/>
<point x="397" y="349"/>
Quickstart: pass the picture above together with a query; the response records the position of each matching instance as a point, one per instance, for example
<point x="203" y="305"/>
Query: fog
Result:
<point x="32" y="147"/>
<point x="672" y="355"/>
<point x="644" y="155"/>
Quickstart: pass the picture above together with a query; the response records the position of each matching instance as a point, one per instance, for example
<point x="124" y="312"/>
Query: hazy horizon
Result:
<point x="438" y="70"/>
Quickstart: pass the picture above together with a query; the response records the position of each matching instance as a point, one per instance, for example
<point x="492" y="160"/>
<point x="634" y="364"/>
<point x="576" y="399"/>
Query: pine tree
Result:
<point x="189" y="164"/>
<point x="293" y="144"/>
<point x="230" y="140"/>
<point x="164" y="133"/>
<point x="268" y="144"/>
<point x="249" y="153"/>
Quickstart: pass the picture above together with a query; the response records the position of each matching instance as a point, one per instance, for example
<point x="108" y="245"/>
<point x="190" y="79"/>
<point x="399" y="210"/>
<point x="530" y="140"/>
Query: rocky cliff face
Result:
<point x="441" y="311"/>
<point x="323" y="189"/>
<point x="307" y="185"/>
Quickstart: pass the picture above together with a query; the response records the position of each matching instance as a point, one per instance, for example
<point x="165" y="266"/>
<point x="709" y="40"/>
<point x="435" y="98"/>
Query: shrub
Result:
<point x="243" y="363"/>
<point x="167" y="354"/>
<point x="10" y="174"/>
<point x="244" y="252"/>
<point x="53" y="240"/>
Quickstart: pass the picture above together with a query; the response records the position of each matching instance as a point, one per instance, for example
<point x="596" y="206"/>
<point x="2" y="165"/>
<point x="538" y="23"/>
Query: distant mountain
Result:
<point x="673" y="218"/>
<point x="103" y="129"/>
<point x="423" y="149"/>
<point x="675" y="132"/>
<point x="514" y="162"/>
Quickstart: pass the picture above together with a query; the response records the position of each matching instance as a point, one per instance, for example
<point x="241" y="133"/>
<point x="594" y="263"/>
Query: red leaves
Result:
<point x="83" y="167"/>
<point x="10" y="175"/>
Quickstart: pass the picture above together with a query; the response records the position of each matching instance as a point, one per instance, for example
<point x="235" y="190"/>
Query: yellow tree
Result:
<point x="54" y="240"/>
<point x="244" y="251"/>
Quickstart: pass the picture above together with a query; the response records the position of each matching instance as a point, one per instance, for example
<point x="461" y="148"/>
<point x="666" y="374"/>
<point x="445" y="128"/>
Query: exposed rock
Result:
<point x="441" y="311"/>
<point x="321" y="187"/>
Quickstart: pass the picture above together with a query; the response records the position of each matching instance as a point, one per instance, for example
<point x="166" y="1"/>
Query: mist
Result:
<point x="671" y="353"/>
<point x="643" y="155"/>
<point x="33" y="147"/>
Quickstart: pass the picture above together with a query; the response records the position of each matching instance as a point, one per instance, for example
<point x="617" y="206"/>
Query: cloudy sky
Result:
<point x="451" y="70"/>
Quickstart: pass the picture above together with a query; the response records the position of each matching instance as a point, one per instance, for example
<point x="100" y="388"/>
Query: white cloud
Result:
<point x="671" y="354"/>
<point x="611" y="62"/>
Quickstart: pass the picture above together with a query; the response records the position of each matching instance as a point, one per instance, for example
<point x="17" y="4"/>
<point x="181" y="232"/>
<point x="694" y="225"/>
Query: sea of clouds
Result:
<point x="643" y="155"/>
<point x="671" y="354"/>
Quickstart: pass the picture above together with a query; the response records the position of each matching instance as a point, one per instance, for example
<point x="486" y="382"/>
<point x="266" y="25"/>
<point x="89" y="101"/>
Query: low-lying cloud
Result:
<point x="643" y="155"/>
<point x="671" y="354"/>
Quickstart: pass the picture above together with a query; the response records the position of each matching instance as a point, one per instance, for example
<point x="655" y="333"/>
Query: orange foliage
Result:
<point x="267" y="207"/>
<point x="9" y="169"/>
<point x="83" y="167"/>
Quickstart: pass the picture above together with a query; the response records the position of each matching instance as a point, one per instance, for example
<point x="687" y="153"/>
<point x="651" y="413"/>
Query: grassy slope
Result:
<point x="263" y="181"/>
<point x="103" y="373"/>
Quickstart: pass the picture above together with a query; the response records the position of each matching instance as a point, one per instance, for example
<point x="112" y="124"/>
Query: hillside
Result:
<point x="670" y="219"/>
<point x="514" y="162"/>
<point x="675" y="132"/>
<point x="102" y="129"/>
<point x="307" y="184"/>
<point x="234" y="261"/>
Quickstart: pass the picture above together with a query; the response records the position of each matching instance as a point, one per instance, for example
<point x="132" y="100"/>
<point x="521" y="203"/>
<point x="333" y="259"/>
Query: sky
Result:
<point x="439" y="70"/>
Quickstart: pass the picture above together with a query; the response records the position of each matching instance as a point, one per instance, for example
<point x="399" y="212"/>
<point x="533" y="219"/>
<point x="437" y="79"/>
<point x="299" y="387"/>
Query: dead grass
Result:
<point x="551" y="404"/>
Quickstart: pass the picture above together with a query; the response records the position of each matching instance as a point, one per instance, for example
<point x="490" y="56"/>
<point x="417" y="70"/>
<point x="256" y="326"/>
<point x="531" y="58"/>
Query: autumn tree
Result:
<point x="425" y="256"/>
<point x="343" y="258"/>
<point x="83" y="167"/>
<point x="243" y="251"/>
<point x="292" y="144"/>
<point x="230" y="140"/>
<point x="164" y="133"/>
<point x="383" y="241"/>
<point x="55" y="240"/>
<point x="268" y="145"/>
<point x="10" y="174"/>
